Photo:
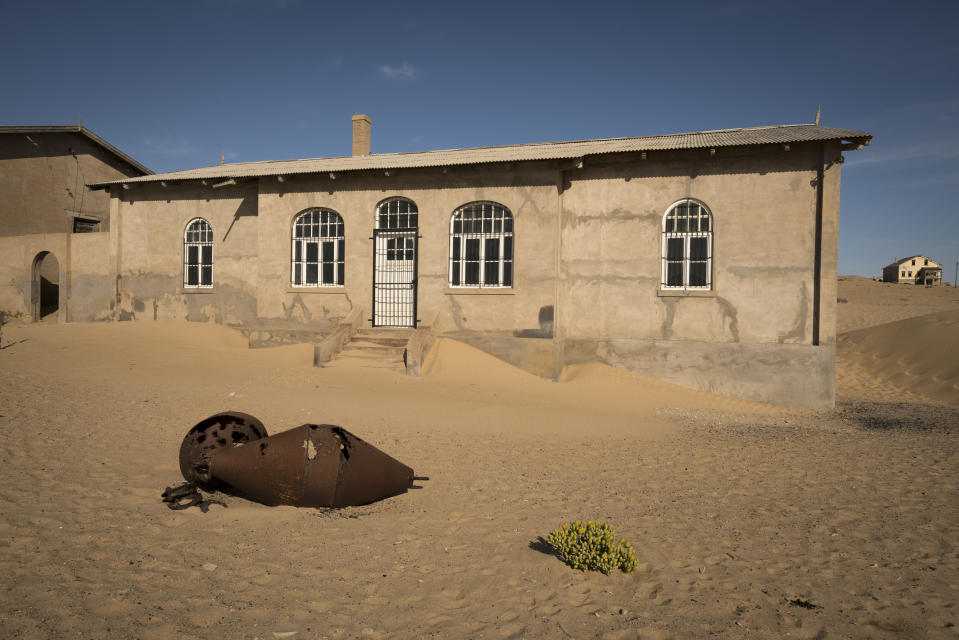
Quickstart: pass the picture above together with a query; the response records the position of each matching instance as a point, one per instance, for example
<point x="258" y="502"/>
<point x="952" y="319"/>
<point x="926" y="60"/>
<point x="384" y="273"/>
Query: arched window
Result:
<point x="481" y="246"/>
<point x="198" y="254"/>
<point x="397" y="213"/>
<point x="687" y="246"/>
<point x="318" y="249"/>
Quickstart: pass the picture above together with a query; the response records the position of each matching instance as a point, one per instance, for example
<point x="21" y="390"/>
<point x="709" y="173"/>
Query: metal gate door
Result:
<point x="394" y="278"/>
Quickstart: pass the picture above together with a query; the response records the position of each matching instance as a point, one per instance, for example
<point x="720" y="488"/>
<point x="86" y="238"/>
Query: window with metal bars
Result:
<point x="481" y="246"/>
<point x="397" y="213"/>
<point x="198" y="254"/>
<point x="687" y="246"/>
<point x="318" y="249"/>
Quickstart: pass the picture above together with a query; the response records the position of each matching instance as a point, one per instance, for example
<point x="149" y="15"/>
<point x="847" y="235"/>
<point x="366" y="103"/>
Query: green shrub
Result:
<point x="592" y="546"/>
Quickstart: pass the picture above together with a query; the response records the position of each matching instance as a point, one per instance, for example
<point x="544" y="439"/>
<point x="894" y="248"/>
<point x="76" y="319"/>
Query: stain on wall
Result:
<point x="798" y="332"/>
<point x="729" y="317"/>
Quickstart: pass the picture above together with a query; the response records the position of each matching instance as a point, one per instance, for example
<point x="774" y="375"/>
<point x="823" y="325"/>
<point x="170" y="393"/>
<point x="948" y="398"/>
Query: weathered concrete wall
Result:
<point x="43" y="182"/>
<point x="150" y="224"/>
<point x="14" y="279"/>
<point x="528" y="191"/>
<point x="789" y="375"/>
<point x="92" y="278"/>
<point x="764" y="216"/>
<point x="17" y="255"/>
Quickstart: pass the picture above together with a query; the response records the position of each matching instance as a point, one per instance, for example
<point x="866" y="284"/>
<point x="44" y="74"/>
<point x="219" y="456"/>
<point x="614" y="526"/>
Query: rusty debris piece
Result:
<point x="187" y="495"/>
<point x="307" y="466"/>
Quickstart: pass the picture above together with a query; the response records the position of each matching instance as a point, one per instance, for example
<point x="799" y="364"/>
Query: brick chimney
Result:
<point x="361" y="135"/>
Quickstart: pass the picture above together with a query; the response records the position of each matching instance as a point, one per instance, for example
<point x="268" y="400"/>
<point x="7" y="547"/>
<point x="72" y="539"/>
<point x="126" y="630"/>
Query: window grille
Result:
<point x="687" y="246"/>
<point x="481" y="246"/>
<point x="397" y="213"/>
<point x="198" y="254"/>
<point x="85" y="225"/>
<point x="318" y="249"/>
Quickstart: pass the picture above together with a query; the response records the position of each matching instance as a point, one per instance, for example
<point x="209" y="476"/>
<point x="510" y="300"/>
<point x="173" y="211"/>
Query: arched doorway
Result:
<point x="45" y="288"/>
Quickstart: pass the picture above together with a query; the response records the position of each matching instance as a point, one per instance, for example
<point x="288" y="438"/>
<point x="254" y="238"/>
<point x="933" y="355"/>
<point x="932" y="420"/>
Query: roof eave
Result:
<point x="76" y="128"/>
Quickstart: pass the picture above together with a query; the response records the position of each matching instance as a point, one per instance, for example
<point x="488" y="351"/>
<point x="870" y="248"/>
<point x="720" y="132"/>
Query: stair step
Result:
<point x="373" y="350"/>
<point x="386" y="341"/>
<point x="386" y="332"/>
<point x="371" y="363"/>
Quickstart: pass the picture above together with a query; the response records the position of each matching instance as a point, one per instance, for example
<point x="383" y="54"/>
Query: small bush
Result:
<point x="592" y="546"/>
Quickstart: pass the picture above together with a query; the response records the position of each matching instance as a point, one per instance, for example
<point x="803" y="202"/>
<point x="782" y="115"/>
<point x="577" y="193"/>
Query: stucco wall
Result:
<point x="92" y="278"/>
<point x="150" y="223"/>
<point x="17" y="255"/>
<point x="528" y="191"/>
<point x="764" y="216"/>
<point x="43" y="182"/>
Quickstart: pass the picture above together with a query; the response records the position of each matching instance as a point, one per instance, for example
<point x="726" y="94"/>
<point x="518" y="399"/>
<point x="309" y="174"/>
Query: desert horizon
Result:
<point x="748" y="520"/>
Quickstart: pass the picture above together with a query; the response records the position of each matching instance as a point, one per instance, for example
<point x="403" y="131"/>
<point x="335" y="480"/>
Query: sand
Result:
<point x="740" y="512"/>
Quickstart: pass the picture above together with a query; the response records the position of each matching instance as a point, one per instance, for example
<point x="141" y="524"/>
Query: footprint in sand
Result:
<point x="577" y="594"/>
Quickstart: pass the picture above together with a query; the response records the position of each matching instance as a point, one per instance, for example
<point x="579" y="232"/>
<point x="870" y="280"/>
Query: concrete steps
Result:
<point x="380" y="348"/>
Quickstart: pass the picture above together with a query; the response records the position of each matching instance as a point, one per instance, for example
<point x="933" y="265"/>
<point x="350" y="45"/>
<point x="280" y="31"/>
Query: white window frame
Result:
<point x="390" y="211"/>
<point x="199" y="238"/>
<point x="458" y="240"/>
<point x="328" y="227"/>
<point x="687" y="236"/>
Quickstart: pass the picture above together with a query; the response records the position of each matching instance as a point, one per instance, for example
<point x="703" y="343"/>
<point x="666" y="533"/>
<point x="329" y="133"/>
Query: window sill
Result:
<point x="478" y="291"/>
<point x="686" y="293"/>
<point x="196" y="290"/>
<point x="337" y="289"/>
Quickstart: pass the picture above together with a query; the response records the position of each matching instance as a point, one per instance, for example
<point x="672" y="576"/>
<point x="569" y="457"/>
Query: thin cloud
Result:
<point x="945" y="149"/>
<point x="404" y="71"/>
<point x="947" y="179"/>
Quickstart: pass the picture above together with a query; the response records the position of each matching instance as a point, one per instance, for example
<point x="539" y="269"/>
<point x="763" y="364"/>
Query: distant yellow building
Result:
<point x="913" y="270"/>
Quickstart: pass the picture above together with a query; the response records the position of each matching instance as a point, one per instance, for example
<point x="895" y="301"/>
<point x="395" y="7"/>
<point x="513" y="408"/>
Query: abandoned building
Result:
<point x="705" y="259"/>
<point x="44" y="201"/>
<point x="913" y="270"/>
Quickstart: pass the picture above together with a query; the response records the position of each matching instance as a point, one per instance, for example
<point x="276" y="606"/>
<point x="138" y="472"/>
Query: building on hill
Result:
<point x="913" y="270"/>
<point x="44" y="201"/>
<point x="706" y="259"/>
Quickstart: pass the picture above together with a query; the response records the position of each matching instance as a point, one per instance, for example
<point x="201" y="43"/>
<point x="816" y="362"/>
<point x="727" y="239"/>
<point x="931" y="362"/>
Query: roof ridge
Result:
<point x="76" y="128"/>
<point x="516" y="145"/>
<point x="762" y="135"/>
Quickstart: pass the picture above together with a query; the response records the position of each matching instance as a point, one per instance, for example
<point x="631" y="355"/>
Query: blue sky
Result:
<point x="175" y="83"/>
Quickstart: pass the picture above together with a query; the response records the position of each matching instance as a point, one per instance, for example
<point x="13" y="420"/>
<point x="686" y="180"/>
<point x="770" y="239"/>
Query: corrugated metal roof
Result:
<point x="781" y="134"/>
<point x="72" y="128"/>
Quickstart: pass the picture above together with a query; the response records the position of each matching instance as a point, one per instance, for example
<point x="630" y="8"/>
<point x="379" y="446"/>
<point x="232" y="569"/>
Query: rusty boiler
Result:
<point x="307" y="466"/>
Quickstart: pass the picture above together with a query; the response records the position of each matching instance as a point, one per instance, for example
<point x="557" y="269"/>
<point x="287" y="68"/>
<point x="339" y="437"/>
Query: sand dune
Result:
<point x="919" y="355"/>
<point x="865" y="303"/>
<point x="737" y="510"/>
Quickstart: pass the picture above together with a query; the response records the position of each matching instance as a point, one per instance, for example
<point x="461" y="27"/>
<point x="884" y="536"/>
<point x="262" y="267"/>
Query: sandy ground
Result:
<point x="739" y="512"/>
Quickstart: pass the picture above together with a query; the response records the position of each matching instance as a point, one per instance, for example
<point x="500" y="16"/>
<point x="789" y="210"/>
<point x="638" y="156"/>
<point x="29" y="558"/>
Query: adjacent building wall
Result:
<point x="43" y="178"/>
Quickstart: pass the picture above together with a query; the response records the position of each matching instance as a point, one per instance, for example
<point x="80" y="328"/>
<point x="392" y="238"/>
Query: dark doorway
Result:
<point x="45" y="288"/>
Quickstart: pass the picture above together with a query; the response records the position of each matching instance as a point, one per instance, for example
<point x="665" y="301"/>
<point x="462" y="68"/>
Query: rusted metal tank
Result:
<point x="228" y="429"/>
<point x="307" y="466"/>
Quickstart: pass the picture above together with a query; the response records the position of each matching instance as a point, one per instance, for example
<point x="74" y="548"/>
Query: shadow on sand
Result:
<point x="899" y="416"/>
